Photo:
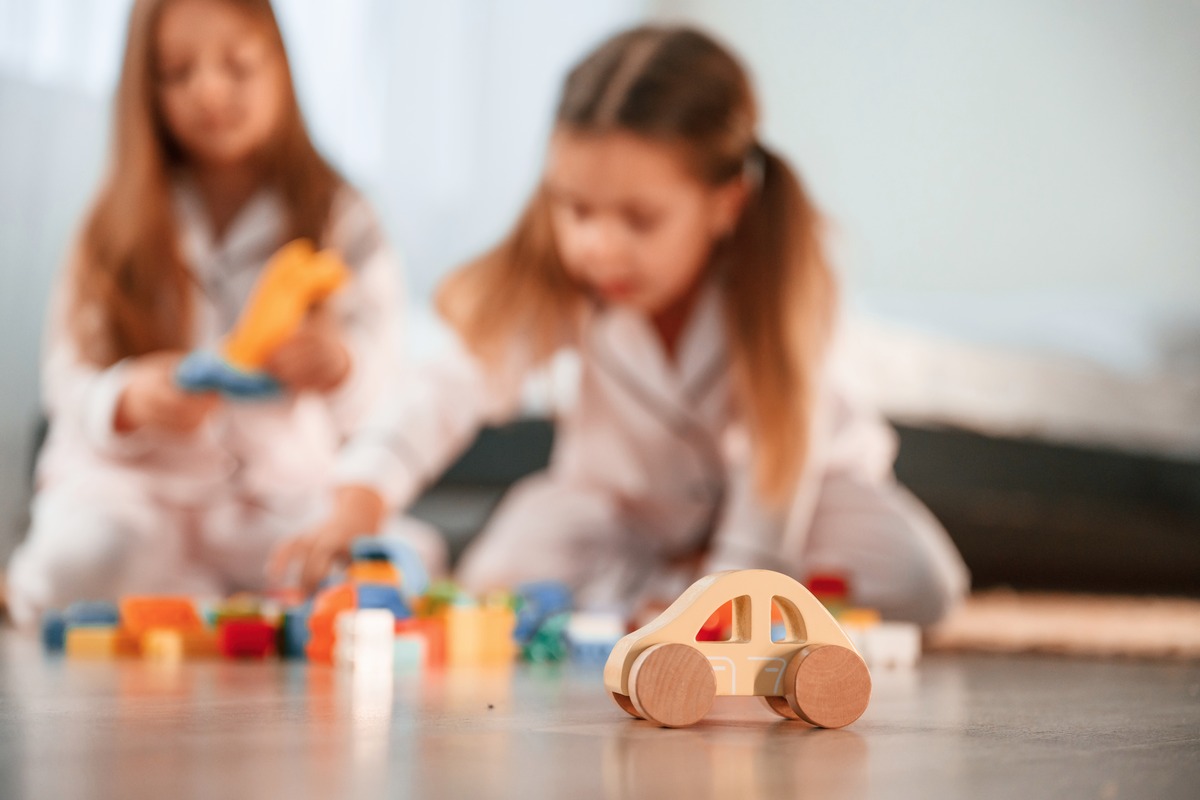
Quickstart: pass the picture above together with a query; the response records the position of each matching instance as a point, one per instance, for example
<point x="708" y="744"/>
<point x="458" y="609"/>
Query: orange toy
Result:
<point x="296" y="278"/>
<point x="139" y="615"/>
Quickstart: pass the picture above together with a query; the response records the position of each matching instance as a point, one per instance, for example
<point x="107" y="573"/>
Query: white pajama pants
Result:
<point x="895" y="555"/>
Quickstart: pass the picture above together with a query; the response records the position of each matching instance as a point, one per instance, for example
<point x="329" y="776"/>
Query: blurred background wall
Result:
<point x="1013" y="186"/>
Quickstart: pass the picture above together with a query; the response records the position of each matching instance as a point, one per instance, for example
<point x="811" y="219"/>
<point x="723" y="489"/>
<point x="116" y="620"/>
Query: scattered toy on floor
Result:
<point x="663" y="673"/>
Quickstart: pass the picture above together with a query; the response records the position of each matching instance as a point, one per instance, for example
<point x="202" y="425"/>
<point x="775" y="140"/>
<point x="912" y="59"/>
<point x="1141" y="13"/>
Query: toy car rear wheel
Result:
<point x="780" y="706"/>
<point x="626" y="704"/>
<point x="828" y="685"/>
<point x="672" y="685"/>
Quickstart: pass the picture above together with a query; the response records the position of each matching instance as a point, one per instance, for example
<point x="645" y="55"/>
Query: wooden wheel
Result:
<point x="780" y="706"/>
<point x="828" y="685"/>
<point x="626" y="704"/>
<point x="672" y="685"/>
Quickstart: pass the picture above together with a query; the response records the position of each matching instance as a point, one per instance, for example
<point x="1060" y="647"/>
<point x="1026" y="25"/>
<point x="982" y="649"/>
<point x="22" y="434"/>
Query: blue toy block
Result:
<point x="414" y="576"/>
<point x="591" y="653"/>
<point x="539" y="601"/>
<point x="54" y="632"/>
<point x="294" y="631"/>
<point x="94" y="613"/>
<point x="380" y="595"/>
<point x="204" y="371"/>
<point x="778" y="632"/>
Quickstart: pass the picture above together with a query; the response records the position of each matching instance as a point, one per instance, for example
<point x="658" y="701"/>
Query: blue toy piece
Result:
<point x="54" y="632"/>
<point x="204" y="371"/>
<point x="94" y="613"/>
<point x="381" y="595"/>
<point x="539" y="601"/>
<point x="414" y="578"/>
<point x="294" y="631"/>
<point x="591" y="653"/>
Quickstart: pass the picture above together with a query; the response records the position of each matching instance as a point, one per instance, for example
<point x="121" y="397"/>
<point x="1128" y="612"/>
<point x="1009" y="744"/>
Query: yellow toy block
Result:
<point x="296" y="278"/>
<point x="498" y="646"/>
<point x="163" y="645"/>
<point x="99" y="642"/>
<point x="479" y="635"/>
<point x="464" y="635"/>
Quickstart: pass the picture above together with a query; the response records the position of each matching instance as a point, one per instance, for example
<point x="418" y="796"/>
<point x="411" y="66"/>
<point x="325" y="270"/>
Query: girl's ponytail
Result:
<point x="779" y="301"/>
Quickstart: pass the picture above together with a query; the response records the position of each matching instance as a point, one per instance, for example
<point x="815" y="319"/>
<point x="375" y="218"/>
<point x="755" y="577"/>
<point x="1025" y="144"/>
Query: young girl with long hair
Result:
<point x="681" y="259"/>
<point x="143" y="487"/>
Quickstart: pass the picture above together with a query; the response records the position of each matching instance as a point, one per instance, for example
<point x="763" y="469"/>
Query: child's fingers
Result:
<point x="283" y="557"/>
<point x="319" y="561"/>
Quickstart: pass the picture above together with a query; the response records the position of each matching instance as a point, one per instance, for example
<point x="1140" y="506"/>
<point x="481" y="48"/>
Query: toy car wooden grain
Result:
<point x="661" y="673"/>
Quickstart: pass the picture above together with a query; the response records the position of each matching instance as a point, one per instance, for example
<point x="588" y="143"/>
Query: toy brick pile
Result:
<point x="382" y="613"/>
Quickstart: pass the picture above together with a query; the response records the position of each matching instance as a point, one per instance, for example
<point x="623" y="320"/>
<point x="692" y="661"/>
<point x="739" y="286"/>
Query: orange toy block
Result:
<point x="373" y="572"/>
<point x="142" y="614"/>
<point x="326" y="607"/>
<point x="295" y="279"/>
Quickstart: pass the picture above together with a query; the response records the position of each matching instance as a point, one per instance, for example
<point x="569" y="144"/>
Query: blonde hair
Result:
<point x="678" y="86"/>
<point x="129" y="266"/>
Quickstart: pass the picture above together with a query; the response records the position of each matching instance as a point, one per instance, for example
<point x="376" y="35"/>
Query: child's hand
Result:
<point x="151" y="399"/>
<point x="314" y="358"/>
<point x="358" y="511"/>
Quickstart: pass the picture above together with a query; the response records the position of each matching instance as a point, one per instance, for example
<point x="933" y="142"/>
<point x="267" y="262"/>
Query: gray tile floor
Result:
<point x="959" y="726"/>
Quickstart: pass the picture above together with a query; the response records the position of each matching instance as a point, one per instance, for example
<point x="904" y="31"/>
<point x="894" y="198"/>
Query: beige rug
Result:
<point x="1003" y="621"/>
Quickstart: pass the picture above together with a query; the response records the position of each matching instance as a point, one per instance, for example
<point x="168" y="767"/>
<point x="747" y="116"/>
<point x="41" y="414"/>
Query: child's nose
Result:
<point x="209" y="90"/>
<point x="602" y="244"/>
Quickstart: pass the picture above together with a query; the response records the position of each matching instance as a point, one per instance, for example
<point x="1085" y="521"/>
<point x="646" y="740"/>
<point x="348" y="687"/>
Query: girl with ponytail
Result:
<point x="681" y="259"/>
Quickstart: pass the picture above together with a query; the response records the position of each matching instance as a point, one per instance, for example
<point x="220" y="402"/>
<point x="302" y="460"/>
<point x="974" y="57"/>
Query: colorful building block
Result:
<point x="293" y="631"/>
<point x="92" y="613"/>
<point x="246" y="638"/>
<point x="99" y="642"/>
<point x="142" y="614"/>
<point x="591" y="636"/>
<point x="365" y="639"/>
<point x="537" y="601"/>
<point x="54" y="632"/>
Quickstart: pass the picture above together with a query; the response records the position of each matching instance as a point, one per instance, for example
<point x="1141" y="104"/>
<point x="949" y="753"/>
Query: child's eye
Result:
<point x="580" y="211"/>
<point x="642" y="222"/>
<point x="174" y="75"/>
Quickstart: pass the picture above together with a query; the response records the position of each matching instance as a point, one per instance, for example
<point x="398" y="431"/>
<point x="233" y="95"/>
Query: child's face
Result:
<point x="220" y="81"/>
<point x="630" y="221"/>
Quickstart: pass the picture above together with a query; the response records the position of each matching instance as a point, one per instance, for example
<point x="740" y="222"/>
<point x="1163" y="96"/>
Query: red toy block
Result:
<point x="246" y="638"/>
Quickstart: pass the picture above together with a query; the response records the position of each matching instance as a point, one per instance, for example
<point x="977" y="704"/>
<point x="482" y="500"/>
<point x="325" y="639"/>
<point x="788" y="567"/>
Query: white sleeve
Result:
<point x="78" y="395"/>
<point x="423" y="419"/>
<point x="370" y="308"/>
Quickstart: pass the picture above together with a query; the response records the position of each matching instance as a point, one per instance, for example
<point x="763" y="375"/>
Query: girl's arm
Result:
<point x="84" y="399"/>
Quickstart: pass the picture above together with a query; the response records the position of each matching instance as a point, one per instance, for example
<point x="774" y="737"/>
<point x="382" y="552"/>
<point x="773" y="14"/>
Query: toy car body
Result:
<point x="660" y="672"/>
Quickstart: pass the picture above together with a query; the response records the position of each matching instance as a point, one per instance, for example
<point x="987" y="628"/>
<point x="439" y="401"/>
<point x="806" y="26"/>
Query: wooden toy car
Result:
<point x="661" y="673"/>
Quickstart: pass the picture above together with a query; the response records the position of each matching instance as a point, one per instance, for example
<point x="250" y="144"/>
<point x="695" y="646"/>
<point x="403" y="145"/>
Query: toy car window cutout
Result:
<point x="729" y="623"/>
<point x="787" y="623"/>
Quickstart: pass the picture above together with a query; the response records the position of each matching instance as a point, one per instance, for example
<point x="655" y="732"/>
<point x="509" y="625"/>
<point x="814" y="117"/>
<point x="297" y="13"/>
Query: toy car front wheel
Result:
<point x="626" y="704"/>
<point x="672" y="685"/>
<point x="828" y="685"/>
